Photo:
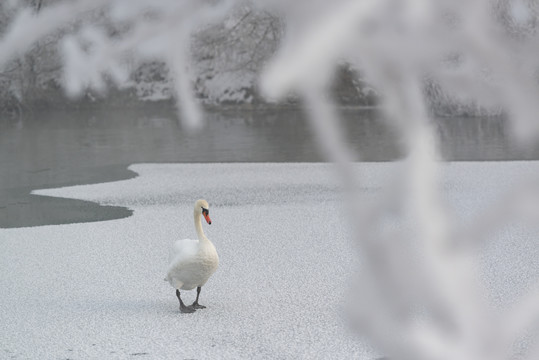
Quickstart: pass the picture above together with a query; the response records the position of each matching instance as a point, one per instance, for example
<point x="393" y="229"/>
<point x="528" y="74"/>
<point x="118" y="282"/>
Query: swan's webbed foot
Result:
<point x="187" y="309"/>
<point x="184" y="309"/>
<point x="196" y="305"/>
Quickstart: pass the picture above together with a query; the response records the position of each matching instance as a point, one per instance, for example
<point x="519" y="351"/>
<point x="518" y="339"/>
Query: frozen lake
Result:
<point x="58" y="148"/>
<point x="96" y="291"/>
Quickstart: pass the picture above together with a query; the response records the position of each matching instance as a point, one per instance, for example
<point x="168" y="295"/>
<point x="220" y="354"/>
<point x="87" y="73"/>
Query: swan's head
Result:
<point x="203" y="208"/>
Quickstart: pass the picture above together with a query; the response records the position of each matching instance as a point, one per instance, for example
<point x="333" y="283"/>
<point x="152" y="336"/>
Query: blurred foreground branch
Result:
<point x="418" y="295"/>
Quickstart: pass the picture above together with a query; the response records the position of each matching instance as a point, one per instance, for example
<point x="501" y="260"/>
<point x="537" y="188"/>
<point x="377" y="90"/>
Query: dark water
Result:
<point x="61" y="148"/>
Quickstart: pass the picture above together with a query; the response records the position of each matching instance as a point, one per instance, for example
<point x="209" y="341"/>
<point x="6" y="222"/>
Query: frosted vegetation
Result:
<point x="418" y="295"/>
<point x="221" y="50"/>
<point x="227" y="51"/>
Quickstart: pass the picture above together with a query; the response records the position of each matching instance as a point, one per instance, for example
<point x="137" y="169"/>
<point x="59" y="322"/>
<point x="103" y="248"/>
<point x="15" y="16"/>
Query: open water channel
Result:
<point x="45" y="149"/>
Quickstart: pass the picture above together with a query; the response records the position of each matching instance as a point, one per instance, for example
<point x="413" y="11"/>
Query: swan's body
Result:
<point x="192" y="262"/>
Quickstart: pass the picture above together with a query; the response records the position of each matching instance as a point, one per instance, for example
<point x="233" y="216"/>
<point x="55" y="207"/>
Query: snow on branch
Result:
<point x="114" y="37"/>
<point x="418" y="295"/>
<point x="28" y="27"/>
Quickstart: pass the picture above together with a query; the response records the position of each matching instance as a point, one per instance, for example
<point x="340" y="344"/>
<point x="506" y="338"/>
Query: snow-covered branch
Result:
<point x="419" y="296"/>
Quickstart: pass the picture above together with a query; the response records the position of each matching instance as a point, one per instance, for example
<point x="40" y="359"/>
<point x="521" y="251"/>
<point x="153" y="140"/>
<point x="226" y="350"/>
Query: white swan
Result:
<point x="192" y="262"/>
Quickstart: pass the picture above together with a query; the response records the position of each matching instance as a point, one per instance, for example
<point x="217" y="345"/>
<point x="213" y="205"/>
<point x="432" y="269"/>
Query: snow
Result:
<point x="228" y="87"/>
<point x="96" y="290"/>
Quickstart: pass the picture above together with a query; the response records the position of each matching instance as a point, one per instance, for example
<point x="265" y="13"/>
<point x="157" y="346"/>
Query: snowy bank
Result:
<point x="96" y="290"/>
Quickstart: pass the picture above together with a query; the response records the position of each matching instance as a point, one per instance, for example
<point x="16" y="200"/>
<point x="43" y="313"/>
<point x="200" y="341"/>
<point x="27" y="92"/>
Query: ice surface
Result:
<point x="96" y="290"/>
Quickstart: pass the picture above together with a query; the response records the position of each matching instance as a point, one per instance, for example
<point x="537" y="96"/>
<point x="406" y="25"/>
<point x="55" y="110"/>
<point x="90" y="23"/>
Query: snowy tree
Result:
<point x="31" y="76"/>
<point x="232" y="53"/>
<point x="225" y="56"/>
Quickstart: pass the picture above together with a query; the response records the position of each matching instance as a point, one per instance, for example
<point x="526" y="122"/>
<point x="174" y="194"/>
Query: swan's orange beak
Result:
<point x="207" y="217"/>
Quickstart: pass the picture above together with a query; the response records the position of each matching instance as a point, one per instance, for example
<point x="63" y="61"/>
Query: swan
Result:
<point x="192" y="262"/>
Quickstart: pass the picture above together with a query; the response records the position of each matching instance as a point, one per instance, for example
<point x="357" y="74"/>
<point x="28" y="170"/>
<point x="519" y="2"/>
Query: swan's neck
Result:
<point x="198" y="227"/>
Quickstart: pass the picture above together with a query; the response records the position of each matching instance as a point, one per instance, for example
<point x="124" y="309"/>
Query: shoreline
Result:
<point x="19" y="207"/>
<point x="62" y="147"/>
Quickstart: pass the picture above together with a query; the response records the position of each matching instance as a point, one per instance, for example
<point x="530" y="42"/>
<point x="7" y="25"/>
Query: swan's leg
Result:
<point x="196" y="305"/>
<point x="183" y="308"/>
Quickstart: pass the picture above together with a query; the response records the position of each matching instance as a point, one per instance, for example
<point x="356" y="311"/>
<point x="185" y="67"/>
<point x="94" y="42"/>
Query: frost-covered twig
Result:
<point x="28" y="27"/>
<point x="158" y="30"/>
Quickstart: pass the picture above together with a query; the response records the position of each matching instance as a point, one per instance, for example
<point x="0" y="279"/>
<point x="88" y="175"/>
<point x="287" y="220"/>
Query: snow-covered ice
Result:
<point x="96" y="290"/>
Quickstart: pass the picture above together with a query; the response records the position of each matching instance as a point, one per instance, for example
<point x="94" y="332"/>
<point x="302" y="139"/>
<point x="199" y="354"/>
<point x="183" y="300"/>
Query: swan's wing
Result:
<point x="182" y="249"/>
<point x="181" y="254"/>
